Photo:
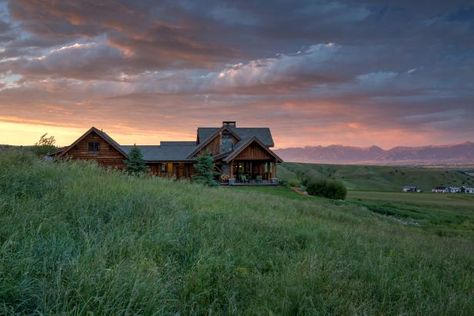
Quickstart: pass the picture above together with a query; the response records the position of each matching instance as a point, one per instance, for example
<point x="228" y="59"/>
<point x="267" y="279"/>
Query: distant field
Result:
<point x="380" y="178"/>
<point x="457" y="201"/>
<point x="445" y="214"/>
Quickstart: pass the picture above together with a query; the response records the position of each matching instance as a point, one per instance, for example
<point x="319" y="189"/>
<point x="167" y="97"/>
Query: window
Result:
<point x="163" y="168"/>
<point x="94" y="147"/>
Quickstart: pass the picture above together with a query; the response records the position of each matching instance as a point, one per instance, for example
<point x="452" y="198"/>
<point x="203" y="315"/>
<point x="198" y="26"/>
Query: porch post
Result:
<point x="231" y="173"/>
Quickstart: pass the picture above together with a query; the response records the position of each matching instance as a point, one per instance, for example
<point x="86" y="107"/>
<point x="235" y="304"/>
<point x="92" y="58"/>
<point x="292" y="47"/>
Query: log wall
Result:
<point x="254" y="152"/>
<point x="107" y="155"/>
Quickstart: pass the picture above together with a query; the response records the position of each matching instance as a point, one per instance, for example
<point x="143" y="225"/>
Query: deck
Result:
<point x="252" y="183"/>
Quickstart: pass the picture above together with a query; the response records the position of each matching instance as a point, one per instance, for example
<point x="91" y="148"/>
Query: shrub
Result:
<point x="293" y="183"/>
<point x="327" y="188"/>
<point x="302" y="177"/>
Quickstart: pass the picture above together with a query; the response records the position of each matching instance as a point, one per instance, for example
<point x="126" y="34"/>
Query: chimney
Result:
<point x="229" y="123"/>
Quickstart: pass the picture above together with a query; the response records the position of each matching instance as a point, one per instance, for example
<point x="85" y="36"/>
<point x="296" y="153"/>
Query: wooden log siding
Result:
<point x="178" y="170"/>
<point x="106" y="156"/>
<point x="254" y="152"/>
<point x="214" y="147"/>
<point x="257" y="159"/>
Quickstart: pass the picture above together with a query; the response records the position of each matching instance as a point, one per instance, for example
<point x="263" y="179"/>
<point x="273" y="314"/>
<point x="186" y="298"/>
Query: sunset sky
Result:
<point x="316" y="72"/>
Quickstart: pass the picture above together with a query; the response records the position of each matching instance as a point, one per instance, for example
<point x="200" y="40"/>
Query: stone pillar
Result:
<point x="231" y="173"/>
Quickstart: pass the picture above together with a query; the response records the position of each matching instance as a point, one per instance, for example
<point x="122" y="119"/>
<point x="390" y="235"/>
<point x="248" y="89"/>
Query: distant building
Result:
<point x="454" y="190"/>
<point x="440" y="189"/>
<point x="468" y="190"/>
<point x="410" y="188"/>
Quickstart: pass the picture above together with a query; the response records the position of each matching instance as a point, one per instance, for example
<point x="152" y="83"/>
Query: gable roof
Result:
<point x="166" y="151"/>
<point x="186" y="150"/>
<point x="244" y="144"/>
<point x="262" y="133"/>
<point x="102" y="135"/>
<point x="210" y="138"/>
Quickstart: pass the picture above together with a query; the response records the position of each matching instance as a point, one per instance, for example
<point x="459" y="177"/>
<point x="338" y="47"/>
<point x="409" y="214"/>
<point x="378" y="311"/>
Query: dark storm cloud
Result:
<point x="149" y="35"/>
<point x="370" y="65"/>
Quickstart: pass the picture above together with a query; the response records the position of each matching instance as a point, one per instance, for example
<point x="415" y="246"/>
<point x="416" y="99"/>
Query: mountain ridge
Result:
<point x="462" y="153"/>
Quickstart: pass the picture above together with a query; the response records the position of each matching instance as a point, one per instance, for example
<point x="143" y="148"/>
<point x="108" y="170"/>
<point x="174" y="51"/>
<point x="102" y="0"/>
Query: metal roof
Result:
<point x="170" y="151"/>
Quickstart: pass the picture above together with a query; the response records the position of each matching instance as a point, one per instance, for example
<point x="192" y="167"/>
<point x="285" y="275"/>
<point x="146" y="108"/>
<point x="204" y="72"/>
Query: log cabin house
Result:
<point x="242" y="155"/>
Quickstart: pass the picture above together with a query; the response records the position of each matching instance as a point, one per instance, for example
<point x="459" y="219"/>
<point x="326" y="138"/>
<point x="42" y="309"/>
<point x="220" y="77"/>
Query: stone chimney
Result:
<point x="229" y="123"/>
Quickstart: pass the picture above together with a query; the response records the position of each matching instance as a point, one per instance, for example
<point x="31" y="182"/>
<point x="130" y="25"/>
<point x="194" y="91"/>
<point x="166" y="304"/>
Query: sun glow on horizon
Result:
<point x="24" y="134"/>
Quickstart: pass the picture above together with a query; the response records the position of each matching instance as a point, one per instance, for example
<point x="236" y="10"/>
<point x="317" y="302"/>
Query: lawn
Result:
<point x="77" y="239"/>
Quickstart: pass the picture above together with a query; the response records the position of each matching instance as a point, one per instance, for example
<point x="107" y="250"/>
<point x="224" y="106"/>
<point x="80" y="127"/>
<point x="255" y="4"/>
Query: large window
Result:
<point x="94" y="147"/>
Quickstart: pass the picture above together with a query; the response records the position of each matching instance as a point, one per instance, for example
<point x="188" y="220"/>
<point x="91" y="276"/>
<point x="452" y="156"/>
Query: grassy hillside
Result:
<point x="379" y="178"/>
<point x="75" y="239"/>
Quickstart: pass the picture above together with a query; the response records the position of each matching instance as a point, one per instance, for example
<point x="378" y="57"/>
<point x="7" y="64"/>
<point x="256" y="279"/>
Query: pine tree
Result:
<point x="135" y="162"/>
<point x="204" y="168"/>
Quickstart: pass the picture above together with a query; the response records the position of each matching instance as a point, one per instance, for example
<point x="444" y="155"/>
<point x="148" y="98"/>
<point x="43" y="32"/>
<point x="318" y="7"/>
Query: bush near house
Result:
<point x="326" y="188"/>
<point x="293" y="183"/>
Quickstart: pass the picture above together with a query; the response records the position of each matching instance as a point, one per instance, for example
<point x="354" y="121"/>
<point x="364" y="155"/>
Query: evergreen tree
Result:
<point x="135" y="162"/>
<point x="204" y="168"/>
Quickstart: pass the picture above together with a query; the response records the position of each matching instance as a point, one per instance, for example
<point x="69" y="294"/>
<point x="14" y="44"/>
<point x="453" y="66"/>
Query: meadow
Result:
<point x="381" y="178"/>
<point x="78" y="239"/>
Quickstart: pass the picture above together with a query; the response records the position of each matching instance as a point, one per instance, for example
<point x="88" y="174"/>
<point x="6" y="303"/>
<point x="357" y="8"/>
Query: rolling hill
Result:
<point x="77" y="239"/>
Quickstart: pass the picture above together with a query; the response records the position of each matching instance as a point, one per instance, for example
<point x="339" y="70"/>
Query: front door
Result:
<point x="180" y="171"/>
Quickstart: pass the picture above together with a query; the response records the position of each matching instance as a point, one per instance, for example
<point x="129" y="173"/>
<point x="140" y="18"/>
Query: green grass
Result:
<point x="456" y="202"/>
<point x="280" y="191"/>
<point x="444" y="214"/>
<point x="76" y="239"/>
<point x="379" y="178"/>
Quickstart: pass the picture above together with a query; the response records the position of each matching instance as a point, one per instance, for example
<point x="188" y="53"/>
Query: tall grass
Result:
<point x="75" y="238"/>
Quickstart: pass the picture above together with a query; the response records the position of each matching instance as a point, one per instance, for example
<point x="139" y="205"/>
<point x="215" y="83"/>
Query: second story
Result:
<point x="229" y="138"/>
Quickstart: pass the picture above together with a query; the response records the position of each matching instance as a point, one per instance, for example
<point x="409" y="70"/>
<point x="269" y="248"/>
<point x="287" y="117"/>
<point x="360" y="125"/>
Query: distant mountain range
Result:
<point x="338" y="154"/>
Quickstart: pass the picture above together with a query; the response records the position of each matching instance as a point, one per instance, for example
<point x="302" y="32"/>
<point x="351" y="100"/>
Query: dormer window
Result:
<point x="93" y="147"/>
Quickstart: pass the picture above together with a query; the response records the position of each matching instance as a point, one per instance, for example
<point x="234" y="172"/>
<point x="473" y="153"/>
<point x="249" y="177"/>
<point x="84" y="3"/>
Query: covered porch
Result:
<point x="252" y="163"/>
<point x="250" y="172"/>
